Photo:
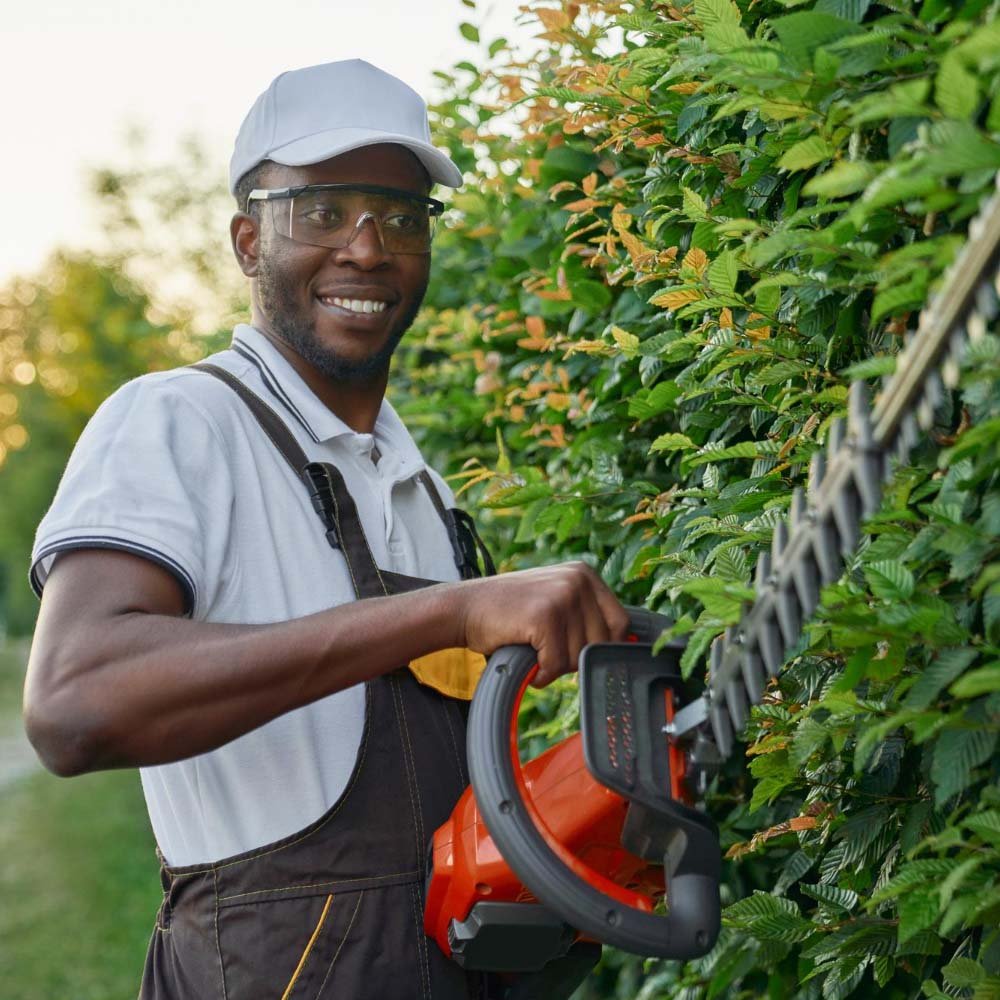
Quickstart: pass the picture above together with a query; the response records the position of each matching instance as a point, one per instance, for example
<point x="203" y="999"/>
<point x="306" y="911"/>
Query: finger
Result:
<point x="611" y="609"/>
<point x="576" y="638"/>
<point x="552" y="655"/>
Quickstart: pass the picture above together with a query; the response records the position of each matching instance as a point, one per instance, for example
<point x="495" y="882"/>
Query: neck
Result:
<point x="357" y="403"/>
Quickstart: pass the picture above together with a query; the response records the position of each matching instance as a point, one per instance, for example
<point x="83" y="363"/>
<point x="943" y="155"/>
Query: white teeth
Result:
<point x="358" y="305"/>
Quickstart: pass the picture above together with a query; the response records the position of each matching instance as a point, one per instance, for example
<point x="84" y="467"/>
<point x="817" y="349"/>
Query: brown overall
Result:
<point x="335" y="910"/>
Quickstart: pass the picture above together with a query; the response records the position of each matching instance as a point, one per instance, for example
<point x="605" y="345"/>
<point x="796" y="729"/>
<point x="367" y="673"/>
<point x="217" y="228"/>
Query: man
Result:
<point x="239" y="560"/>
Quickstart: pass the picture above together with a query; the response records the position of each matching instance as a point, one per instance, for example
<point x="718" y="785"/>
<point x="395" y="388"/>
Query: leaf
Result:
<point x="649" y="403"/>
<point x="935" y="677"/>
<point x="594" y="296"/>
<point x="806" y="153"/>
<point x="985" y="825"/>
<point x="723" y="272"/>
<point x="962" y="972"/>
<point x="676" y="298"/>
<point x="917" y="911"/>
<point x="977" y="682"/>
<point x="890" y="580"/>
<point x="882" y="364"/>
<point x="628" y="342"/>
<point x="849" y="10"/>
<point x="469" y="31"/>
<point x="672" y="442"/>
<point x="956" y="90"/>
<point x="517" y="496"/>
<point x="844" y="900"/>
<point x="844" y="177"/>
<point x="909" y="295"/>
<point x="695" y="206"/>
<point x="768" y="918"/>
<point x="802" y="33"/>
<point x="957" y="753"/>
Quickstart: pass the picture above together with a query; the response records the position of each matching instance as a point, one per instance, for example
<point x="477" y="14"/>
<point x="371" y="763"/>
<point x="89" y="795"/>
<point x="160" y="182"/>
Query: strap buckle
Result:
<point x="468" y="546"/>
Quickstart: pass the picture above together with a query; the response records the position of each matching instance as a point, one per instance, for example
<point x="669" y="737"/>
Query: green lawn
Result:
<point x="78" y="880"/>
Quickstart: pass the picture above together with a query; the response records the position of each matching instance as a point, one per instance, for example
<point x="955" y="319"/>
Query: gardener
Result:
<point x="203" y="621"/>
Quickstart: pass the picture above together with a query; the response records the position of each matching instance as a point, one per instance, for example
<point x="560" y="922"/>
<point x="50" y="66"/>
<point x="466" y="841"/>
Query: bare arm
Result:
<point x="118" y="679"/>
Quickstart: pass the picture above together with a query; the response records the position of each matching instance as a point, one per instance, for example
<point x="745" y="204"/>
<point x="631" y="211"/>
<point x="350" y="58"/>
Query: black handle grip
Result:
<point x="690" y="927"/>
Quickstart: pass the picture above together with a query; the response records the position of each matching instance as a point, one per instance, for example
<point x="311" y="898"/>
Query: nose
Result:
<point x="366" y="246"/>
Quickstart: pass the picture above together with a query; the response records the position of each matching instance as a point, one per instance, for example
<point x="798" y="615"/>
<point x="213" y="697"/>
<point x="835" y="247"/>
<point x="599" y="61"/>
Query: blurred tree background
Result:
<point x="687" y="227"/>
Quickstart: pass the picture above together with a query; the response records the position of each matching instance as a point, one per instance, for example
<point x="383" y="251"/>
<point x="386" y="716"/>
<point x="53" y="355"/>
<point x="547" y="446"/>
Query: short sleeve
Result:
<point x="148" y="476"/>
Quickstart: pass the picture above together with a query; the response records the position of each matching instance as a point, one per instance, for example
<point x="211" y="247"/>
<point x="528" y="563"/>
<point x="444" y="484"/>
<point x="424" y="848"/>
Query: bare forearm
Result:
<point x="150" y="688"/>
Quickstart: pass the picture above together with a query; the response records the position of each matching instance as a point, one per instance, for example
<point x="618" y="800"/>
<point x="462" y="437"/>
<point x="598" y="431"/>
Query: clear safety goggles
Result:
<point x="331" y="215"/>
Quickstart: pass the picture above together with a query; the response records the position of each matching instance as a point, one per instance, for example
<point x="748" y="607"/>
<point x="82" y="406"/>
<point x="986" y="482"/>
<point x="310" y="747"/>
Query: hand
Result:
<point x="555" y="609"/>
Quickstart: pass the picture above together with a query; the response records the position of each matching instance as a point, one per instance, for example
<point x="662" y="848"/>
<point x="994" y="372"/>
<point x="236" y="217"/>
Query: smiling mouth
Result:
<point x="355" y="306"/>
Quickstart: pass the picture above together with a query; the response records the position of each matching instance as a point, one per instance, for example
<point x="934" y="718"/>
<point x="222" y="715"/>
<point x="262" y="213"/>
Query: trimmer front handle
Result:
<point x="626" y="705"/>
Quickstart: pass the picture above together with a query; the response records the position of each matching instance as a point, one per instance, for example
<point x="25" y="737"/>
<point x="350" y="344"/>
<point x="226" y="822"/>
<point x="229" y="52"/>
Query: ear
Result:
<point x="244" y="231"/>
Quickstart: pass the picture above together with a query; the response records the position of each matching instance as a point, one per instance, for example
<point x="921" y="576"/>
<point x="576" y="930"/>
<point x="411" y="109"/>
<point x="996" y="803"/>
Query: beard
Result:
<point x="291" y="322"/>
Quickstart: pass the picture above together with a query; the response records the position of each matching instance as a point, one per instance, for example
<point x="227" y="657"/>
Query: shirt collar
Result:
<point x="292" y="394"/>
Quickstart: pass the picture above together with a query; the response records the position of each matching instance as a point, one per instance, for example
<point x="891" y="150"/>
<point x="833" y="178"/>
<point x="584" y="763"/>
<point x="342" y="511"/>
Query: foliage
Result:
<point x="691" y="225"/>
<point x="70" y="337"/>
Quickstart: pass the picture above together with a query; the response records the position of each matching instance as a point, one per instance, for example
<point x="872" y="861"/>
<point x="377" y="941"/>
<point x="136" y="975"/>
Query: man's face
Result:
<point x="297" y="283"/>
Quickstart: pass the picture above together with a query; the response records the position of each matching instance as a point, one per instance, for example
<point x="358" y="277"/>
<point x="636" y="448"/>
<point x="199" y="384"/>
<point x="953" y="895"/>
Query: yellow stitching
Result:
<point x="336" y="954"/>
<point x="374" y="879"/>
<point x="418" y="826"/>
<point x="309" y="947"/>
<point x="362" y="754"/>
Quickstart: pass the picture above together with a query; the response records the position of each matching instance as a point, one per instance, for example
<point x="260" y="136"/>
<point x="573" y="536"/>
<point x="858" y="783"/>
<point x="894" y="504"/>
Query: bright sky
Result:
<point x="74" y="75"/>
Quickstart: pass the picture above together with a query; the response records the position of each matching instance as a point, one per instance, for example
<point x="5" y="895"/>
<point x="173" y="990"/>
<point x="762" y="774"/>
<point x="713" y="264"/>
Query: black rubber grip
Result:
<point x="691" y="925"/>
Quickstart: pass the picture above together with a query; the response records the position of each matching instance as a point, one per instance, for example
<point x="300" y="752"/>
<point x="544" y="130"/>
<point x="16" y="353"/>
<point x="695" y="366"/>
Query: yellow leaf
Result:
<point x="726" y="319"/>
<point x="691" y="87"/>
<point x="676" y="299"/>
<point x="757" y="331"/>
<point x="535" y="343"/>
<point x="589" y="184"/>
<point x="644" y="516"/>
<point x="589" y="347"/>
<point x="637" y="250"/>
<point x="696" y="259"/>
<point x="535" y="326"/>
<point x="583" y="205"/>
<point x="554" y="20"/>
<point x="620" y="218"/>
<point x="625" y="340"/>
<point x="656" y="139"/>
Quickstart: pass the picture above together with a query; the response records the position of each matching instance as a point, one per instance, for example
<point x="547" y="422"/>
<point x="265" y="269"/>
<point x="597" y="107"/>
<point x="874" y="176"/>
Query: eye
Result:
<point x="403" y="221"/>
<point x="318" y="213"/>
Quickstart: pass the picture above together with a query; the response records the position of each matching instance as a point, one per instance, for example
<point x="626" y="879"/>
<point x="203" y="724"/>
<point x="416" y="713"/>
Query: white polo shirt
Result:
<point x="174" y="467"/>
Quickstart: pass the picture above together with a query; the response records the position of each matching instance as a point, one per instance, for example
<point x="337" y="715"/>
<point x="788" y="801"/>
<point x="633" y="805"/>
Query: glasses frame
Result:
<point x="436" y="208"/>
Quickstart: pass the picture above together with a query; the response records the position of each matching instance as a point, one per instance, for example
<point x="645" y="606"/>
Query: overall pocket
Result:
<point x="286" y="949"/>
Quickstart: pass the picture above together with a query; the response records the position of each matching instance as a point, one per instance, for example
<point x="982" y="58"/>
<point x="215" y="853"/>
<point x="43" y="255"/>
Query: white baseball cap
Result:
<point x="309" y="115"/>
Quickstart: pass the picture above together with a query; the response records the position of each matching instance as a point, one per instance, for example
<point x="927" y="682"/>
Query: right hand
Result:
<point x="555" y="609"/>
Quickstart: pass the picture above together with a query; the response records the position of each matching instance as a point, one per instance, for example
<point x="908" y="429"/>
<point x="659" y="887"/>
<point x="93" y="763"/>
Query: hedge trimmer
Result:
<point x="589" y="839"/>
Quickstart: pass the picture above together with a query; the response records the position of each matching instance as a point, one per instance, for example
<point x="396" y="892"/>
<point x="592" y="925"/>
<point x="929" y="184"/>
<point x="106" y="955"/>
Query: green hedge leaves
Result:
<point x="686" y="227"/>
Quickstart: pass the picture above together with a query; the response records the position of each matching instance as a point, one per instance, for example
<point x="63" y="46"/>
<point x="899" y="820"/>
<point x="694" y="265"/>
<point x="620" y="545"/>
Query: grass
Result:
<point x="78" y="882"/>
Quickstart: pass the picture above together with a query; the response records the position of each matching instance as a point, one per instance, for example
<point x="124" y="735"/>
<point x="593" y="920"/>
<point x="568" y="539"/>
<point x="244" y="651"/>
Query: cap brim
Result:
<point x="324" y="145"/>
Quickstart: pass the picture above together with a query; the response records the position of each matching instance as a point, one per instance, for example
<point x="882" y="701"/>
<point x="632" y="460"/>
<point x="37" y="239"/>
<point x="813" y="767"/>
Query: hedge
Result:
<point x="692" y="226"/>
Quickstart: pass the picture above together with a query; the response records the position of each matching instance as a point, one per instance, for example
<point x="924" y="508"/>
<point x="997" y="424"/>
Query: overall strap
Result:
<point x="329" y="494"/>
<point x="465" y="540"/>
